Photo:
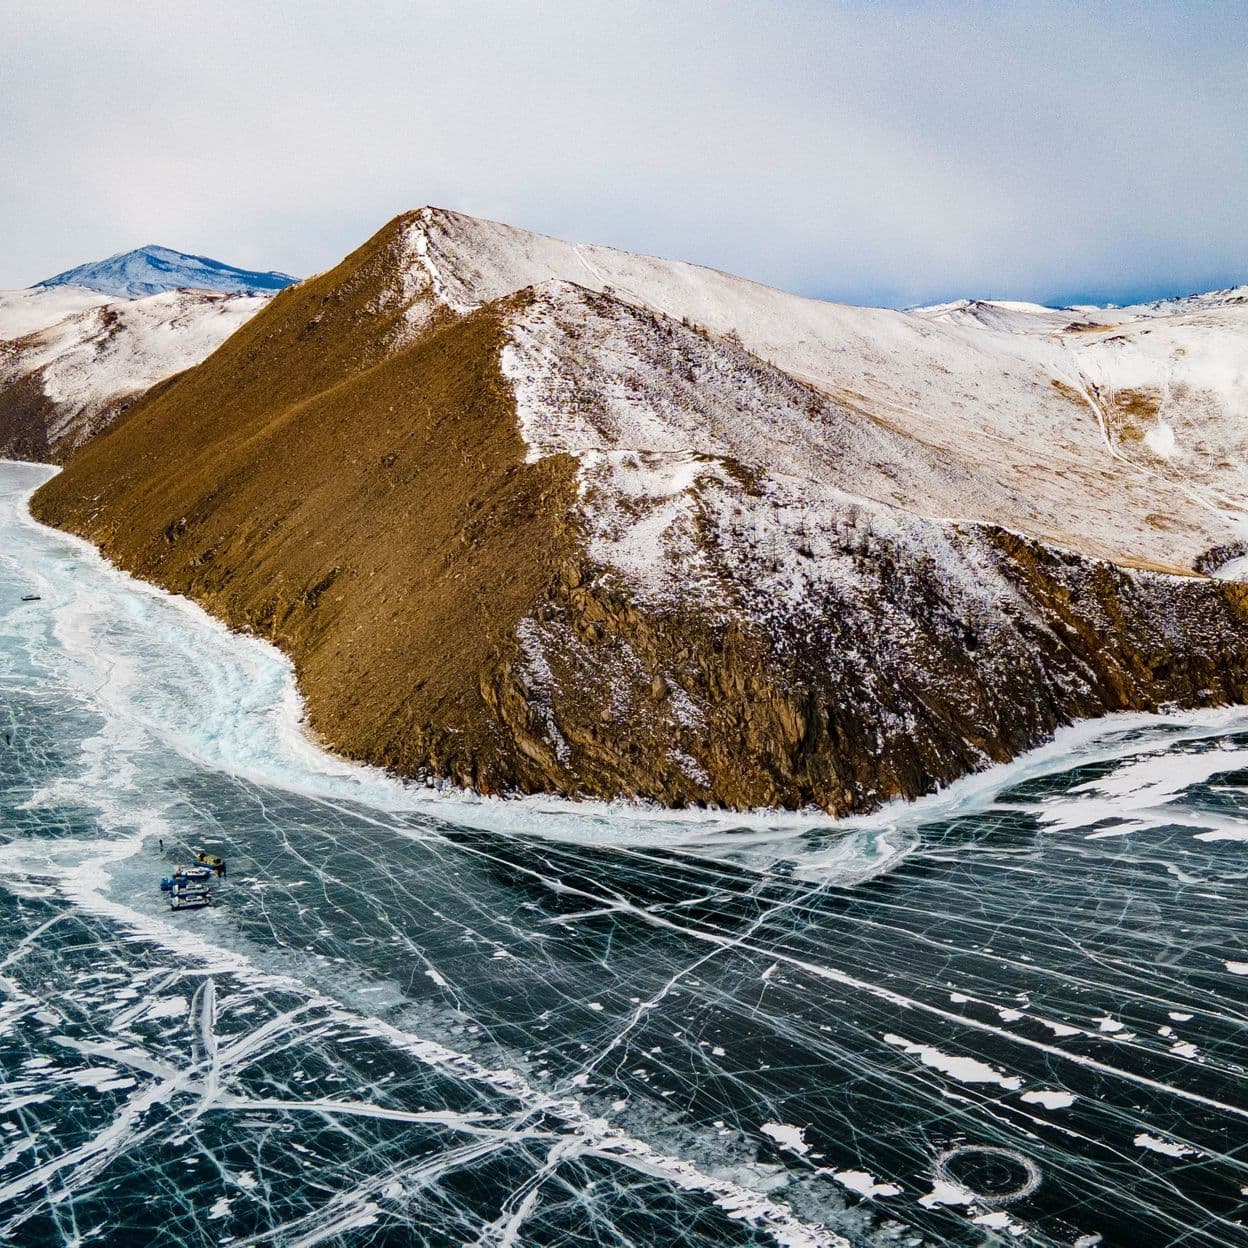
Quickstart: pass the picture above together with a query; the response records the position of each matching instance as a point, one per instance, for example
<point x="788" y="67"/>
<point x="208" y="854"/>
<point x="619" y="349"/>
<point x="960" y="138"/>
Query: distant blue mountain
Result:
<point x="151" y="270"/>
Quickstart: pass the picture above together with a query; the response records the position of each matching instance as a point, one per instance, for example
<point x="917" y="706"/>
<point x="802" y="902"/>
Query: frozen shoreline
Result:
<point x="548" y="977"/>
<point x="270" y="744"/>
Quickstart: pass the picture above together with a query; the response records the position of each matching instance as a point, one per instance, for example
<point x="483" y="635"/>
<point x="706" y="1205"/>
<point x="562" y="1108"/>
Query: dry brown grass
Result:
<point x="1130" y="413"/>
<point x="1067" y="392"/>
<point x="376" y="520"/>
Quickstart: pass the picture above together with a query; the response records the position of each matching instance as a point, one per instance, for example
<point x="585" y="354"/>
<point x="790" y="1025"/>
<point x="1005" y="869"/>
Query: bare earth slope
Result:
<point x="535" y="516"/>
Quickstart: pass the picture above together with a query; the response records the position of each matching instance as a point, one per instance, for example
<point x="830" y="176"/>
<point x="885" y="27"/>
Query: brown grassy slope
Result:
<point x="377" y="521"/>
<point x="310" y="338"/>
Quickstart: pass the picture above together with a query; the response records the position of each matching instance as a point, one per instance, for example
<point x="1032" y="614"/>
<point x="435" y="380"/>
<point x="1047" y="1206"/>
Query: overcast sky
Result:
<point x="872" y="152"/>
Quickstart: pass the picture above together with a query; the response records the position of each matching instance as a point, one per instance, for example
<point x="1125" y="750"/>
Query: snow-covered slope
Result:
<point x="151" y="270"/>
<point x="657" y="414"/>
<point x="850" y="512"/>
<point x="24" y="312"/>
<point x="71" y="358"/>
<point x="1009" y="316"/>
<point x="1120" y="433"/>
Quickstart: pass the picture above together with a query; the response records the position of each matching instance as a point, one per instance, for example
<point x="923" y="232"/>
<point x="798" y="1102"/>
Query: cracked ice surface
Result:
<point x="1004" y="1014"/>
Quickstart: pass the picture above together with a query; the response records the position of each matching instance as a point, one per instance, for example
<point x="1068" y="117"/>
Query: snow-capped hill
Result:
<point x="78" y="348"/>
<point x="72" y="359"/>
<point x="152" y="270"/>
<point x="1013" y="316"/>
<point x="1123" y="437"/>
<point x="1007" y="316"/>
<point x="667" y="533"/>
<point x="697" y="459"/>
<point x="594" y="375"/>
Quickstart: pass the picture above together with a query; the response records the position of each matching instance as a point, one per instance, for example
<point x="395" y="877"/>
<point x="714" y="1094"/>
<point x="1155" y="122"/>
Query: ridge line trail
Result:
<point x="629" y="295"/>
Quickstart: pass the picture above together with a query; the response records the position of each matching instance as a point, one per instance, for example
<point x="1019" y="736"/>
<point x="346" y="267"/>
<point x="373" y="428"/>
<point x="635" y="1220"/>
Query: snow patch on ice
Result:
<point x="1166" y="1147"/>
<point x="1049" y="1099"/>
<point x="963" y="1069"/>
<point x="787" y="1136"/>
<point x="865" y="1184"/>
<point x="946" y="1193"/>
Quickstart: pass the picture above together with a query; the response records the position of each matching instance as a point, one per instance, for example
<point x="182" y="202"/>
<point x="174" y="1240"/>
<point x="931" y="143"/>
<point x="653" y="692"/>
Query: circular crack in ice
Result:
<point x="994" y="1176"/>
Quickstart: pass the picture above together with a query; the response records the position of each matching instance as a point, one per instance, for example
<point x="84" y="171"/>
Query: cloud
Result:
<point x="886" y="152"/>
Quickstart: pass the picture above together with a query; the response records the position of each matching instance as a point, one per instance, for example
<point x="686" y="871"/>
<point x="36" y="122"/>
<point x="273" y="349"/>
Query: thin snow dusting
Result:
<point x="701" y="467"/>
<point x="136" y="343"/>
<point x="1118" y="432"/>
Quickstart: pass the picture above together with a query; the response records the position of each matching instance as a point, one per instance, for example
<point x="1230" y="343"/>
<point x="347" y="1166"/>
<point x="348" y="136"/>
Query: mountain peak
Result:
<point x="153" y="269"/>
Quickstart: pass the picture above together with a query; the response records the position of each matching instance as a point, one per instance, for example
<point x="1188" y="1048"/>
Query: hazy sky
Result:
<point x="872" y="152"/>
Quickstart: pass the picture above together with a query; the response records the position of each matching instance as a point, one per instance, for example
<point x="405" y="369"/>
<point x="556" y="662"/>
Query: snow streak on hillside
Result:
<point x="700" y="465"/>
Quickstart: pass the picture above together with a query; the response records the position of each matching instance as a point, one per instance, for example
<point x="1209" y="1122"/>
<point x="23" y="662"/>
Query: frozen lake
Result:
<point x="1013" y="1013"/>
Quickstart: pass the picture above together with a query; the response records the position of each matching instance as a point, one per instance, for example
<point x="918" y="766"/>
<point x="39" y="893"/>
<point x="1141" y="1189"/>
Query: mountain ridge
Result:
<point x="1056" y="416"/>
<point x="153" y="269"/>
<point x="560" y="537"/>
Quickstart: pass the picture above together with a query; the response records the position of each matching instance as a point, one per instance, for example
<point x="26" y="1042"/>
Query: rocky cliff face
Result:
<point x="533" y="533"/>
